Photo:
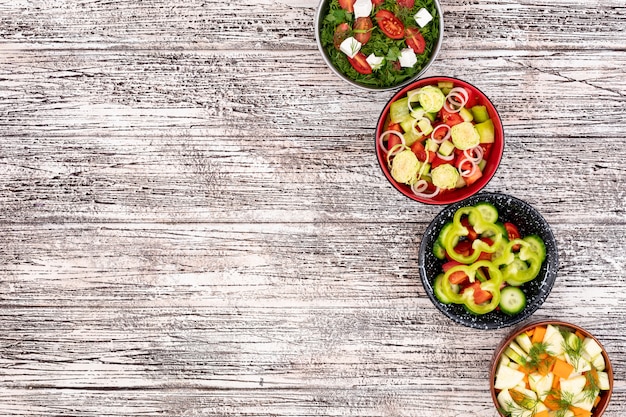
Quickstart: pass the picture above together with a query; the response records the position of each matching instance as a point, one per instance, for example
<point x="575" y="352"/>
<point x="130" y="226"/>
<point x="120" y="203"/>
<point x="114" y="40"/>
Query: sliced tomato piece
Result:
<point x="486" y="149"/>
<point x="438" y="161"/>
<point x="393" y="140"/>
<point x="464" y="248"/>
<point x="480" y="296"/>
<point x="420" y="151"/>
<point x="458" y="277"/>
<point x="406" y="3"/>
<point x="347" y="5"/>
<point x="513" y="233"/>
<point x="389" y="24"/>
<point x="394" y="126"/>
<point x="450" y="119"/>
<point x="341" y="33"/>
<point x="359" y="63"/>
<point x="484" y="256"/>
<point x="472" y="235"/>
<point x="512" y="230"/>
<point x="450" y="264"/>
<point x="377" y="2"/>
<point x="415" y="40"/>
<point x="475" y="176"/>
<point x="363" y="29"/>
<point x="473" y="99"/>
<point x="439" y="134"/>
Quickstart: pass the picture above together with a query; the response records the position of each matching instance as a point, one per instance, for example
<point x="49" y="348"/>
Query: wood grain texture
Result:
<point x="194" y="223"/>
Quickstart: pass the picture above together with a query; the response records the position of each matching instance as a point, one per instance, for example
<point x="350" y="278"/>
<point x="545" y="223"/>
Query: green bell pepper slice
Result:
<point x="457" y="231"/>
<point x="448" y="295"/>
<point x="523" y="266"/>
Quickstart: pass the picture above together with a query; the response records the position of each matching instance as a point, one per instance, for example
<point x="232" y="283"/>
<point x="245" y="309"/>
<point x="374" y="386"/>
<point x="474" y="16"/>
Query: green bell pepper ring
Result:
<point x="468" y="298"/>
<point x="492" y="285"/>
<point x="457" y="231"/>
<point x="521" y="267"/>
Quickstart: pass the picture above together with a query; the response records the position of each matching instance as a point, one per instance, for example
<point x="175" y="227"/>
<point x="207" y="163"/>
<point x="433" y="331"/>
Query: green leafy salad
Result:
<point x="380" y="43"/>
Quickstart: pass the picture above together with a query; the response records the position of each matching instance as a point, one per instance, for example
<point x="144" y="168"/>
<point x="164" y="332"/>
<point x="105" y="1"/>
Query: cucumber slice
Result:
<point x="512" y="300"/>
<point x="488" y="211"/>
<point x="399" y="109"/>
<point x="486" y="131"/>
<point x="537" y="246"/>
<point x="431" y="99"/>
<point x="438" y="250"/>
<point x="438" y="291"/>
<point x="480" y="113"/>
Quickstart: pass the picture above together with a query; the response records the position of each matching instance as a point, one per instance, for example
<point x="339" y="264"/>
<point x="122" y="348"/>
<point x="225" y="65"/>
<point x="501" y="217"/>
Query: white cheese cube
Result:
<point x="407" y="58"/>
<point x="350" y="47"/>
<point x="423" y="17"/>
<point x="375" y="61"/>
<point x="362" y="8"/>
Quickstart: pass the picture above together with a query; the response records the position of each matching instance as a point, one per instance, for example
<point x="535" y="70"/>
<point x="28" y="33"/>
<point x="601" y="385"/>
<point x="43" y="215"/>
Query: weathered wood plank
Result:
<point x="193" y="221"/>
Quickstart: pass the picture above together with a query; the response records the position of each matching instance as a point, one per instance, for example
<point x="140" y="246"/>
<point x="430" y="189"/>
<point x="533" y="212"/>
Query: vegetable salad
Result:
<point x="380" y="43"/>
<point x="437" y="138"/>
<point x="551" y="371"/>
<point x="486" y="261"/>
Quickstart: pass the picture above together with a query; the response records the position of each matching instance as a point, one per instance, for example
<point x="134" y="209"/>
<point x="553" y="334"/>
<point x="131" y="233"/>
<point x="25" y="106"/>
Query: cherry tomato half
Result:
<point x="363" y="29"/>
<point x="512" y="231"/>
<point x="406" y="3"/>
<point x="341" y="33"/>
<point x="347" y="5"/>
<point x="390" y="24"/>
<point x="359" y="63"/>
<point x="415" y="40"/>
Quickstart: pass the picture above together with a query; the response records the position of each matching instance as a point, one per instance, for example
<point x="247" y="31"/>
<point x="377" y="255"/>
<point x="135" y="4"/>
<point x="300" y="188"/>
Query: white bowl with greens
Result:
<point x="379" y="44"/>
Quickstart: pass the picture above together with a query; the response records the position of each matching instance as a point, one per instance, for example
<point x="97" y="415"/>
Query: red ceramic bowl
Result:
<point x="605" y="395"/>
<point x="492" y="159"/>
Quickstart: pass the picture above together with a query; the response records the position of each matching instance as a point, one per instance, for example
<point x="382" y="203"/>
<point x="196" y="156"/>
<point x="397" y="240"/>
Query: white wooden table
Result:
<point x="193" y="221"/>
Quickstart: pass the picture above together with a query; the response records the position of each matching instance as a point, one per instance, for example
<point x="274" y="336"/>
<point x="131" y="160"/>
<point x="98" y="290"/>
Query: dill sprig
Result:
<point x="536" y="355"/>
<point x="591" y="390"/>
<point x="573" y="348"/>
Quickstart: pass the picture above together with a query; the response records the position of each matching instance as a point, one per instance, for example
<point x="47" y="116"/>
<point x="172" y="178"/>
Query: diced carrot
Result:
<point x="517" y="396"/>
<point x="593" y="374"/>
<point x="538" y="334"/>
<point x="545" y="366"/>
<point x="596" y="401"/>
<point x="525" y="379"/>
<point x="580" y="334"/>
<point x="580" y="412"/>
<point x="562" y="369"/>
<point x="543" y="413"/>
<point x="530" y="332"/>
<point x="552" y="402"/>
<point x="556" y="383"/>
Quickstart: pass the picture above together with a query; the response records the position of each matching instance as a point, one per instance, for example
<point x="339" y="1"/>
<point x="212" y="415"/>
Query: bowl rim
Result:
<point x="499" y="350"/>
<point x="433" y="56"/>
<point x="551" y="263"/>
<point x="477" y="186"/>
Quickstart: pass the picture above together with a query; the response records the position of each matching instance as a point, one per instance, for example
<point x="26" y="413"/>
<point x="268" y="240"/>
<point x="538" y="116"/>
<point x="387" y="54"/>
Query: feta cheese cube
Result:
<point x="362" y="8"/>
<point x="422" y="17"/>
<point x="375" y="61"/>
<point x="407" y="58"/>
<point x="350" y="47"/>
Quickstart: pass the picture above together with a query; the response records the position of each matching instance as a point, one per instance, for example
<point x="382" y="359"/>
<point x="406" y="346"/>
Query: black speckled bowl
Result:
<point x="529" y="221"/>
